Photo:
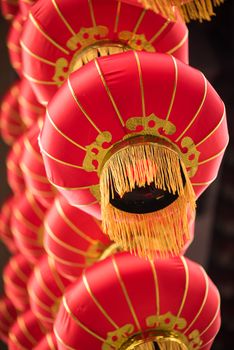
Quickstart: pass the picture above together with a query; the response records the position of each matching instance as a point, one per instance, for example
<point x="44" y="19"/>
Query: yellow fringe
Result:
<point x="189" y="10"/>
<point x="164" y="344"/>
<point x="163" y="232"/>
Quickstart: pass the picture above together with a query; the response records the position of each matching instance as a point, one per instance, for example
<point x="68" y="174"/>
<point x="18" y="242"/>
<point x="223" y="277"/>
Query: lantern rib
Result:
<point x="31" y="200"/>
<point x="7" y="315"/>
<point x="91" y="10"/>
<point x="212" y="321"/>
<point x="61" y="341"/>
<point x="59" y="12"/>
<point x="157" y="298"/>
<point x="31" y="150"/>
<point x="42" y="317"/>
<point x="39" y="58"/>
<point x="50" y="342"/>
<point x="178" y="46"/>
<point x="119" y="2"/>
<point x="25" y="238"/>
<point x="72" y="188"/>
<point x="19" y="216"/>
<point x="43" y="286"/>
<point x="141" y="83"/>
<point x="140" y="19"/>
<point x="34" y="297"/>
<point x="19" y="272"/>
<point x="16" y="341"/>
<point x="25" y="331"/>
<point x="160" y="31"/>
<point x="62" y="261"/>
<point x="56" y="276"/>
<point x="37" y="81"/>
<point x="186" y="285"/>
<point x="213" y="157"/>
<point x="174" y="88"/>
<point x="33" y="175"/>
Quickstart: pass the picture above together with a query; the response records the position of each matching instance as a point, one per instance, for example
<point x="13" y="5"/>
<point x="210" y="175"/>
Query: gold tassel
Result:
<point x="168" y="344"/>
<point x="189" y="10"/>
<point x="165" y="231"/>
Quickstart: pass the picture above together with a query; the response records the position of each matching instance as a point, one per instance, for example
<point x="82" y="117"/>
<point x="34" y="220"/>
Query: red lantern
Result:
<point x="9" y="8"/>
<point x="5" y="230"/>
<point x="79" y="31"/>
<point x="26" y="332"/>
<point x="33" y="169"/>
<point x="14" y="173"/>
<point x="25" y="6"/>
<point x="145" y="119"/>
<point x="13" y="43"/>
<point x="45" y="288"/>
<point x="11" y="125"/>
<point x="137" y="304"/>
<point x="73" y="239"/>
<point x="16" y="275"/>
<point x="8" y="315"/>
<point x="27" y="226"/>
<point x="47" y="343"/>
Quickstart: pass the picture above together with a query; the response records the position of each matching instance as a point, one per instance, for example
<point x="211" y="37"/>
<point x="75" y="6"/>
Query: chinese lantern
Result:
<point x="8" y="314"/>
<point x="27" y="226"/>
<point x="5" y="221"/>
<point x="14" y="173"/>
<point x="30" y="109"/>
<point x="73" y="239"/>
<point x="47" y="343"/>
<point x="153" y="132"/>
<point x="11" y="124"/>
<point x="13" y="43"/>
<point x="139" y="304"/>
<point x="79" y="31"/>
<point x="26" y="332"/>
<point x="33" y="169"/>
<point x="45" y="288"/>
<point x="9" y="8"/>
<point x="16" y="275"/>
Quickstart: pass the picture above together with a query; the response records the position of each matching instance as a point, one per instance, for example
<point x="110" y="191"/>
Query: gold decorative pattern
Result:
<point x="118" y="337"/>
<point x="94" y="252"/>
<point x="136" y="41"/>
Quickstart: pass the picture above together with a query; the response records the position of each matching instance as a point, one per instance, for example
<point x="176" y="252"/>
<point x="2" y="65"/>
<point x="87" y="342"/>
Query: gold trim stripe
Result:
<point x="50" y="342"/>
<point x="213" y="157"/>
<point x="61" y="261"/>
<point x="72" y="188"/>
<point x="26" y="332"/>
<point x="160" y="31"/>
<point x="61" y="341"/>
<point x="119" y="2"/>
<point x="34" y="205"/>
<point x="31" y="150"/>
<point x="56" y="276"/>
<point x="141" y="83"/>
<point x="36" y="81"/>
<point x="15" y="341"/>
<point x="39" y="58"/>
<point x="27" y="223"/>
<point x="157" y="297"/>
<point x="138" y="23"/>
<point x="174" y="88"/>
<point x="186" y="285"/>
<point x="34" y="176"/>
<point x="178" y="46"/>
<point x="67" y="25"/>
<point x="92" y="13"/>
<point x="36" y="300"/>
<point x="43" y="286"/>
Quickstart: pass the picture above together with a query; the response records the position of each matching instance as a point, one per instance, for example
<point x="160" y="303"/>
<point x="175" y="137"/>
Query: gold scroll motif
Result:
<point x="118" y="337"/>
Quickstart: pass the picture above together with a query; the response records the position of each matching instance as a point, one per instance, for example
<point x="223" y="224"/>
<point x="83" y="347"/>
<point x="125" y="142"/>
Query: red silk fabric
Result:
<point x="26" y="332"/>
<point x="103" y="97"/>
<point x="9" y="8"/>
<point x="134" y="295"/>
<point x="50" y="46"/>
<point x="16" y="275"/>
<point x="47" y="343"/>
<point x="5" y="225"/>
<point x="33" y="169"/>
<point x="8" y="314"/>
<point x="14" y="173"/>
<point x="72" y="238"/>
<point x="11" y="124"/>
<point x="27" y="226"/>
<point x="46" y="287"/>
<point x="13" y="43"/>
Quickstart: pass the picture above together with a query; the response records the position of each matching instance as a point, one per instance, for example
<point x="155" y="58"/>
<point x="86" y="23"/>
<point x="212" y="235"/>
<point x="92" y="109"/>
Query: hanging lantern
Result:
<point x="139" y="305"/>
<point x="30" y="109"/>
<point x="73" y="239"/>
<point x="47" y="343"/>
<point x="5" y="230"/>
<point x="33" y="169"/>
<point x="13" y="43"/>
<point x="14" y="173"/>
<point x="11" y="125"/>
<point x="8" y="315"/>
<point x="9" y="8"/>
<point x="27" y="226"/>
<point x="26" y="332"/>
<point x="153" y="131"/>
<point x="16" y="275"/>
<point x="79" y="31"/>
<point x="45" y="288"/>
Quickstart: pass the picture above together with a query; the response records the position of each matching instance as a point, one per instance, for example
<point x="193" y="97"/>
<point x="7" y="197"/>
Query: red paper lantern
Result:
<point x="47" y="343"/>
<point x="5" y="230"/>
<point x="46" y="287"/>
<point x="127" y="106"/>
<point x="30" y="109"/>
<point x="11" y="125"/>
<point x="9" y="8"/>
<point x="14" y="173"/>
<point x="79" y="31"/>
<point x="8" y="315"/>
<point x="26" y="332"/>
<point x="13" y="43"/>
<point x="27" y="226"/>
<point x="33" y="169"/>
<point x="16" y="275"/>
<point x="138" y="303"/>
<point x="73" y="239"/>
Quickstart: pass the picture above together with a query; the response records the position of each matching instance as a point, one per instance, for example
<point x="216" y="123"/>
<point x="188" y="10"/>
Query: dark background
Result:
<point x="212" y="52"/>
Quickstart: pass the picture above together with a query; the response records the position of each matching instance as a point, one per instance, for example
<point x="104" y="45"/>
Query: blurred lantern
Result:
<point x="25" y="6"/>
<point x="33" y="169"/>
<point x="27" y="226"/>
<point x="29" y="108"/>
<point x="47" y="343"/>
<point x="5" y="225"/>
<point x="45" y="288"/>
<point x="16" y="275"/>
<point x="139" y="305"/>
<point x="79" y="31"/>
<point x="9" y="8"/>
<point x="8" y="315"/>
<point x="13" y="43"/>
<point x="73" y="239"/>
<point x="150" y="126"/>
<point x="189" y="9"/>
<point x="14" y="173"/>
<point x="26" y="332"/>
<point x="11" y="125"/>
